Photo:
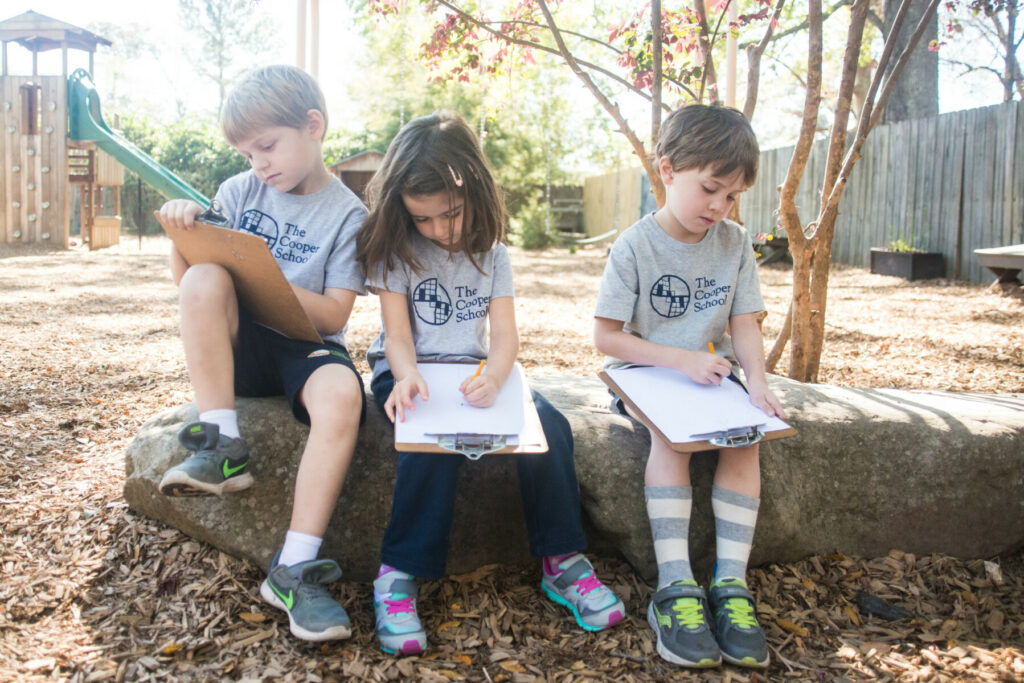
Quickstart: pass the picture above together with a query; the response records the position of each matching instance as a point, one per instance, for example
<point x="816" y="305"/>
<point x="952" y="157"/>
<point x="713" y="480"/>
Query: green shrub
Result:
<point x="528" y="228"/>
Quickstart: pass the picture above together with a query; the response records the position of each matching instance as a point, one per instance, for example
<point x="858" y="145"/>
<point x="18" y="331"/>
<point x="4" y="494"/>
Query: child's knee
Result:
<point x="205" y="284"/>
<point x="333" y="396"/>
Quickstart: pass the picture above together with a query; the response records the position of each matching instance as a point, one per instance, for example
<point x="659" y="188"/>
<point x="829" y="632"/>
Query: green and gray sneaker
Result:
<point x="679" y="615"/>
<point x="218" y="464"/>
<point x="739" y="636"/>
<point x="299" y="590"/>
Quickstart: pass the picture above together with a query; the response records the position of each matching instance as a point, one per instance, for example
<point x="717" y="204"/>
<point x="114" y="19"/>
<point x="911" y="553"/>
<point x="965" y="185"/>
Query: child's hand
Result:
<point x="705" y="368"/>
<point x="180" y="213"/>
<point x="403" y="393"/>
<point x="480" y="391"/>
<point x="762" y="397"/>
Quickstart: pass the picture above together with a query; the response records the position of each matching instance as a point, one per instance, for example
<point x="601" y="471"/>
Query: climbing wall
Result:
<point x="33" y="160"/>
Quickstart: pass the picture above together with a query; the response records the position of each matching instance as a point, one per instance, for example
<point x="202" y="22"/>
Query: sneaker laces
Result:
<point x="587" y="583"/>
<point x="689" y="612"/>
<point x="400" y="605"/>
<point x="741" y="612"/>
<point x="312" y="591"/>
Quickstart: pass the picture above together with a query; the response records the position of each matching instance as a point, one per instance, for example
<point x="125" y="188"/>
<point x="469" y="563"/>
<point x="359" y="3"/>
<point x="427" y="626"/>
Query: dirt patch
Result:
<point x="92" y="592"/>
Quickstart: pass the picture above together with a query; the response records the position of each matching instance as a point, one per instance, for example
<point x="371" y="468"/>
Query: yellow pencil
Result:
<point x="711" y="347"/>
<point x="479" y="368"/>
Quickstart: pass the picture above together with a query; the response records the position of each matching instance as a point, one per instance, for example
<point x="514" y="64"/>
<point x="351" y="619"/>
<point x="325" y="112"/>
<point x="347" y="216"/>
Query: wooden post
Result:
<point x="300" y="33"/>
<point x="314" y="37"/>
<point x="83" y="227"/>
<point x="64" y="58"/>
<point x="4" y="58"/>
<point x="730" y="57"/>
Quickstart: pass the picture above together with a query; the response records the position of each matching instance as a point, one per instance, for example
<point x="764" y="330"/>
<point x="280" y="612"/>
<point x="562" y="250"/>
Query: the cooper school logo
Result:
<point x="431" y="302"/>
<point x="670" y="296"/>
<point x="259" y="223"/>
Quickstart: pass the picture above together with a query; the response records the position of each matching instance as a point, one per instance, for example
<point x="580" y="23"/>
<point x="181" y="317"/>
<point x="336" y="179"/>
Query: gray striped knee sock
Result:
<point x="735" y="519"/>
<point x="668" y="509"/>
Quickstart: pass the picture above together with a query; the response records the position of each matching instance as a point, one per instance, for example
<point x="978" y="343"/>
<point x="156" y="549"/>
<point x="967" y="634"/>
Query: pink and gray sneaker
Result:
<point x="572" y="582"/>
<point x="394" y="604"/>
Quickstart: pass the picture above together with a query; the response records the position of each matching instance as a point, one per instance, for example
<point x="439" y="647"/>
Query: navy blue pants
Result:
<point x="416" y="540"/>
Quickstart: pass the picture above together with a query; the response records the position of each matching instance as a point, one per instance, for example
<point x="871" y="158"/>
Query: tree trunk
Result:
<point x="916" y="94"/>
<point x="799" y="241"/>
<point x="827" y="220"/>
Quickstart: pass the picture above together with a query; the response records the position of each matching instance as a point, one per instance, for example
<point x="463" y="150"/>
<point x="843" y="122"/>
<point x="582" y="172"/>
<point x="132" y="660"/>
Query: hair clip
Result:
<point x="456" y="178"/>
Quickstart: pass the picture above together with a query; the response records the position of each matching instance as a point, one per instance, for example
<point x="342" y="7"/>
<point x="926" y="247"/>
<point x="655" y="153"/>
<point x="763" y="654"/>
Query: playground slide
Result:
<point x="85" y="122"/>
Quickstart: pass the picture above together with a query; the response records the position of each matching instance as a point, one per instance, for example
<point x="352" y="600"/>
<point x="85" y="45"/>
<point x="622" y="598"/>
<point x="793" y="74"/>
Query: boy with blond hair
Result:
<point x="276" y="118"/>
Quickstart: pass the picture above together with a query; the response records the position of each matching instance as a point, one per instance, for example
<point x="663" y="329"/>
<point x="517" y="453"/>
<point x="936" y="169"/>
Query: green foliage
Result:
<point x="192" y="148"/>
<point x="529" y="227"/>
<point x="901" y="243"/>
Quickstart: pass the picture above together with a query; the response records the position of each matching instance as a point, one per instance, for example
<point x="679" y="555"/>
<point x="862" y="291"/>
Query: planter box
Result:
<point x="909" y="265"/>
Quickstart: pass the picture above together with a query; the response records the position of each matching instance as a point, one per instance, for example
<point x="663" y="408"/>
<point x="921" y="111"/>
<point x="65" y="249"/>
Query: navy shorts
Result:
<point x="271" y="364"/>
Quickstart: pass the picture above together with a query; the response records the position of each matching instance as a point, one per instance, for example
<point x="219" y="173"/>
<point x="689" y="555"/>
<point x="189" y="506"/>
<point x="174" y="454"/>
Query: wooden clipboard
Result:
<point x="689" y="445"/>
<point x="530" y="438"/>
<point x="261" y="286"/>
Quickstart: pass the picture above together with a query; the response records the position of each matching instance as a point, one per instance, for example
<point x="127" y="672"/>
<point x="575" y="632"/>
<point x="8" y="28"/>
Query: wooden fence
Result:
<point x="951" y="183"/>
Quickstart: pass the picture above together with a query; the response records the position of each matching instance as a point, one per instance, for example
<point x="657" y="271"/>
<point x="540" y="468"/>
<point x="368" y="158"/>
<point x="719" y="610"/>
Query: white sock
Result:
<point x="299" y="547"/>
<point x="226" y="420"/>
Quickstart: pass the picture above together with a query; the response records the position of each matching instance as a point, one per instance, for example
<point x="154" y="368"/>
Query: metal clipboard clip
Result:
<point x="473" y="446"/>
<point x="733" y="438"/>
<point x="214" y="217"/>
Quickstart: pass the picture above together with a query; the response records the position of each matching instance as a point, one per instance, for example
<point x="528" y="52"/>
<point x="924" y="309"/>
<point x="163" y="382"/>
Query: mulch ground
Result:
<point x="91" y="591"/>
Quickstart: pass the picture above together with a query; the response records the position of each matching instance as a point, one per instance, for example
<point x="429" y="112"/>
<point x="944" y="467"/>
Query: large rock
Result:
<point x="870" y="470"/>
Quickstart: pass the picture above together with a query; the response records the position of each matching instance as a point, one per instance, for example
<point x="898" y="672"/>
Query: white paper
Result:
<point x="446" y="411"/>
<point x="681" y="408"/>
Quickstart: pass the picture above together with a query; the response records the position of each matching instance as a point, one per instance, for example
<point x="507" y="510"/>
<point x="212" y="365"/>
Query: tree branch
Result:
<point x="609" y="106"/>
<point x="582" y="36"/>
<point x="656" y="57"/>
<point x="754" y="53"/>
<point x="796" y="28"/>
<point x="544" y="48"/>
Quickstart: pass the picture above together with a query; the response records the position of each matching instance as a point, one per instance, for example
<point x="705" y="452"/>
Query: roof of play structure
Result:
<point x="40" y="33"/>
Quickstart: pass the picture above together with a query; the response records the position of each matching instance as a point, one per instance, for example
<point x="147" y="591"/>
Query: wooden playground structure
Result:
<point x="41" y="164"/>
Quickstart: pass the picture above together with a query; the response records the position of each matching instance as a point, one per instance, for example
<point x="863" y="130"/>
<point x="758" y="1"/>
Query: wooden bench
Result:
<point x="1004" y="262"/>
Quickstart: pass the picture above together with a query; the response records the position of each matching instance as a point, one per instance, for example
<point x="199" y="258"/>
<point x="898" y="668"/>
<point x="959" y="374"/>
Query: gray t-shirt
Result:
<point x="448" y="302"/>
<point x="677" y="294"/>
<point x="312" y="236"/>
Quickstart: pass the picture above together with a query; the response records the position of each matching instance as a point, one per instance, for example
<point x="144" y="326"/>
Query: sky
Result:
<point x="159" y="84"/>
<point x="153" y="80"/>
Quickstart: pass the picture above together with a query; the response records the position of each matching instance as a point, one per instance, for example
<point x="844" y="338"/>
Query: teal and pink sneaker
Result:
<point x="572" y="582"/>
<point x="394" y="604"/>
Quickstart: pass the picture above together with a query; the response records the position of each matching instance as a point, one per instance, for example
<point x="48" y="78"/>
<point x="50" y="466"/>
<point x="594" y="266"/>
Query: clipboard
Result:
<point x="690" y="416"/>
<point x="261" y="286"/>
<point x="518" y="431"/>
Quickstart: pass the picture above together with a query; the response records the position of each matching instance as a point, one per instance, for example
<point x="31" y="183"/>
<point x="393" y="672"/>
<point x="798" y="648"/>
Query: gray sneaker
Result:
<point x="299" y="590"/>
<point x="678" y="613"/>
<point x="739" y="636"/>
<point x="218" y="464"/>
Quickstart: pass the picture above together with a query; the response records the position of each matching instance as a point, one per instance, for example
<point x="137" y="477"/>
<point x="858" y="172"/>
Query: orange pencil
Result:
<point x="711" y="347"/>
<point x="479" y="368"/>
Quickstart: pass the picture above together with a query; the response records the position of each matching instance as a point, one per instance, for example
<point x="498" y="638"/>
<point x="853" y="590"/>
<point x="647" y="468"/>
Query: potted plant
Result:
<point x="903" y="259"/>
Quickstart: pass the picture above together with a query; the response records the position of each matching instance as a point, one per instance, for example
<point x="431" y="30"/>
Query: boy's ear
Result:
<point x="665" y="169"/>
<point x="315" y="123"/>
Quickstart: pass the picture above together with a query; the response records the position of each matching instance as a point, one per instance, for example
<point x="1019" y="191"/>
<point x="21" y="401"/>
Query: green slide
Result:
<point x="85" y="122"/>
